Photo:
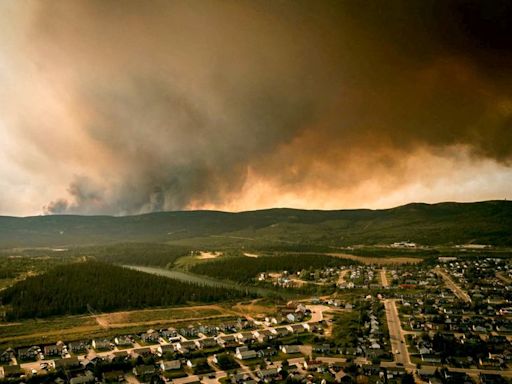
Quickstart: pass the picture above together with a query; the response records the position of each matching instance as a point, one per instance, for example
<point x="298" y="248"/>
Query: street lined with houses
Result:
<point x="396" y="336"/>
<point x="458" y="291"/>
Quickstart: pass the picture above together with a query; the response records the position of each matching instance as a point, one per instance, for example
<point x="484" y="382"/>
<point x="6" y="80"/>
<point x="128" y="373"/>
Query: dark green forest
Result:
<point x="73" y="288"/>
<point x="243" y="269"/>
<point x="160" y="255"/>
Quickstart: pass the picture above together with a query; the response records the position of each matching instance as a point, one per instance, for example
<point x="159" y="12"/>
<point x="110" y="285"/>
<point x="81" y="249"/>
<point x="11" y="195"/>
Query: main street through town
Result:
<point x="396" y="335"/>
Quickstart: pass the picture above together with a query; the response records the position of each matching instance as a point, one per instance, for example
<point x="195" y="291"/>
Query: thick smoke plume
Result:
<point x="161" y="105"/>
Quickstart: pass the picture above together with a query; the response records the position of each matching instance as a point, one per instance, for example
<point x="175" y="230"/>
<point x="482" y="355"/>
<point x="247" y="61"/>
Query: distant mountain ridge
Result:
<point x="487" y="222"/>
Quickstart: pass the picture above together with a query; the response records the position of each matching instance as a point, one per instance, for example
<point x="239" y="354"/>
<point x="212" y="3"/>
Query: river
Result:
<point x="205" y="280"/>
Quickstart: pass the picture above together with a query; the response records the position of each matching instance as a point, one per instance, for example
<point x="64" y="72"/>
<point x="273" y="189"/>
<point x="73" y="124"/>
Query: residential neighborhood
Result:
<point x="445" y="322"/>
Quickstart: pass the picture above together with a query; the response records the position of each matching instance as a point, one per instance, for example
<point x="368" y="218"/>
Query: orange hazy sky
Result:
<point x="111" y="107"/>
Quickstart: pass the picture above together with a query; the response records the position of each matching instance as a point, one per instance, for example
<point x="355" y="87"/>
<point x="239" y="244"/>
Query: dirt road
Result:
<point x="384" y="277"/>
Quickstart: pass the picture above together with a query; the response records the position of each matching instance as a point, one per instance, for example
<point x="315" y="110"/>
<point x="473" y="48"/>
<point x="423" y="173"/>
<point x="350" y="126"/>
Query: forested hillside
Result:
<point x="243" y="269"/>
<point x="488" y="222"/>
<point x="73" y="288"/>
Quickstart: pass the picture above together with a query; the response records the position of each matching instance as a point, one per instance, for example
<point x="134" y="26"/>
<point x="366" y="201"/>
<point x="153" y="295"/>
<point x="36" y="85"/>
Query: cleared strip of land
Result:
<point x="383" y="277"/>
<point x="378" y="260"/>
<point x="87" y="327"/>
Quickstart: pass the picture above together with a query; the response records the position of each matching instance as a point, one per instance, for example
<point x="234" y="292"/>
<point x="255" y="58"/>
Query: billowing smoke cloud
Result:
<point x="169" y="105"/>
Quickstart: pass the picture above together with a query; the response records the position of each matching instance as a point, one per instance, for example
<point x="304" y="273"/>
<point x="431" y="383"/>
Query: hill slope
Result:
<point x="487" y="222"/>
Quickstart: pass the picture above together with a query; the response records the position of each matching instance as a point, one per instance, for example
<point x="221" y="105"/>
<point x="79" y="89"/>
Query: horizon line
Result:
<point x="252" y="210"/>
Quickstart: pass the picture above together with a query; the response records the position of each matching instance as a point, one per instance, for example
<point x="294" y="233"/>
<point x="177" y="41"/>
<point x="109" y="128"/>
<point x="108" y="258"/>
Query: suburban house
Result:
<point x="227" y="341"/>
<point x="170" y="365"/>
<point x="71" y="363"/>
<point x="28" y="353"/>
<point x="165" y="348"/>
<point x="267" y="352"/>
<point x="290" y="349"/>
<point x="150" y="338"/>
<point x="281" y="331"/>
<point x="52" y="350"/>
<point x="8" y="371"/>
<point x="101" y="344"/>
<point x="186" y="346"/>
<point x="6" y="356"/>
<point x="244" y="353"/>
<point x="245" y="337"/>
<point x="263" y="335"/>
<point x="77" y="347"/>
<point x="170" y="334"/>
<point x="143" y="370"/>
<point x="209" y="342"/>
<point x="123" y="341"/>
<point x="297" y="328"/>
<point x="267" y="373"/>
<point x="189" y="332"/>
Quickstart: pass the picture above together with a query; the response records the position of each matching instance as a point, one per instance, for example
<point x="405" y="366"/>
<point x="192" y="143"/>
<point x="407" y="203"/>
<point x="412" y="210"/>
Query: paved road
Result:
<point x="396" y="336"/>
<point x="458" y="291"/>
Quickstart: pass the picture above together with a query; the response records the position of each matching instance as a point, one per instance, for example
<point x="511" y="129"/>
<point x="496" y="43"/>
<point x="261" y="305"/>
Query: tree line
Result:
<point x="244" y="269"/>
<point x="155" y="254"/>
<point x="76" y="288"/>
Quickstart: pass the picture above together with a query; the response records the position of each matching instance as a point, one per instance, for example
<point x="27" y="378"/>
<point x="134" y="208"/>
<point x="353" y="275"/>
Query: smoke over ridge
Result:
<point x="147" y="106"/>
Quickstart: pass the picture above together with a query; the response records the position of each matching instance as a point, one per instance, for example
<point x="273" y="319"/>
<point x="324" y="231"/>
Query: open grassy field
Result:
<point x="257" y="308"/>
<point x="70" y="328"/>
